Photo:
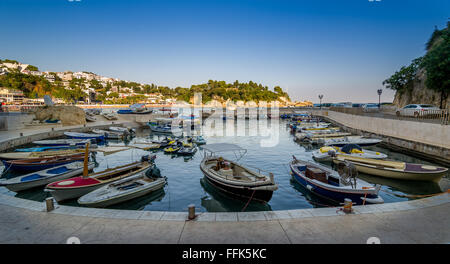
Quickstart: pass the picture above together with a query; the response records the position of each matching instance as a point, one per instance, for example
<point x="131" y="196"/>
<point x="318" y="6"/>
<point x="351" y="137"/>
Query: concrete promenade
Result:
<point x="418" y="221"/>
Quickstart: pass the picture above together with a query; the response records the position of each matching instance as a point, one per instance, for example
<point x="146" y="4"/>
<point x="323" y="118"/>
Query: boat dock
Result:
<point x="416" y="221"/>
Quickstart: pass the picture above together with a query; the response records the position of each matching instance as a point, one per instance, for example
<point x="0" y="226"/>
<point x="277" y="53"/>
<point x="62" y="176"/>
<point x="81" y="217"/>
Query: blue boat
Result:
<point x="328" y="184"/>
<point x="40" y="149"/>
<point x="62" y="142"/>
<point x="38" y="164"/>
<point x="77" y="135"/>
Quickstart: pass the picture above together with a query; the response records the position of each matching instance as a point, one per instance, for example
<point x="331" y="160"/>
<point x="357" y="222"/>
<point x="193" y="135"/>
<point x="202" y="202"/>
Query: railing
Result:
<point x="441" y="116"/>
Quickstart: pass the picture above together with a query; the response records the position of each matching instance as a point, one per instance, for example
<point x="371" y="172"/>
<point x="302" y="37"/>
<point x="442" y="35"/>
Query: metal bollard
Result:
<point x="53" y="129"/>
<point x="49" y="203"/>
<point x="21" y="134"/>
<point x="191" y="209"/>
<point x="347" y="205"/>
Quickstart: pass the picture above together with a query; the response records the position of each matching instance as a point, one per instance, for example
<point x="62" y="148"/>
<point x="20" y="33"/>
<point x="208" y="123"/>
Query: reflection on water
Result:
<point x="186" y="184"/>
<point x="217" y="201"/>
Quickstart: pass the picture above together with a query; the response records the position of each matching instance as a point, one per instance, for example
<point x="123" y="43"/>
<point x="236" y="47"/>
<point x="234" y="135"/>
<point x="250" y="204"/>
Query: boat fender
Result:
<point x="309" y="187"/>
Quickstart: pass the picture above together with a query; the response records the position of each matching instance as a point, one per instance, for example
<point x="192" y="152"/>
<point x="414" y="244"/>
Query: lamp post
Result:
<point x="320" y="98"/>
<point x="379" y="91"/>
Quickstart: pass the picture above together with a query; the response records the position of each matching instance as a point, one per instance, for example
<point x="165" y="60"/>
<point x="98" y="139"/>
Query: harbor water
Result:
<point x="186" y="183"/>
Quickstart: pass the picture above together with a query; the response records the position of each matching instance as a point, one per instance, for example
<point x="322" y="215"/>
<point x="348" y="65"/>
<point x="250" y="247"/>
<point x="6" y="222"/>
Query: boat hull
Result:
<point x="62" y="195"/>
<point x="17" y="187"/>
<point x="36" y="166"/>
<point x="125" y="197"/>
<point x="242" y="193"/>
<point x="398" y="174"/>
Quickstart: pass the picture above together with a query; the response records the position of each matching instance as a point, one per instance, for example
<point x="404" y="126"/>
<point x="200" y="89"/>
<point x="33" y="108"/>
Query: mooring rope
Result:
<point x="415" y="195"/>
<point x="251" y="197"/>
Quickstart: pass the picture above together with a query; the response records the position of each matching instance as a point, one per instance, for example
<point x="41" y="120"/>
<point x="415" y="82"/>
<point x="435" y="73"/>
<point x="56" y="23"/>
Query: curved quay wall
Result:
<point x="206" y="216"/>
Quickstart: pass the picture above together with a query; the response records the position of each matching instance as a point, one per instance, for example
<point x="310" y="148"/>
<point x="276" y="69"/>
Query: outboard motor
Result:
<point x="331" y="153"/>
<point x="153" y="172"/>
<point x="148" y="158"/>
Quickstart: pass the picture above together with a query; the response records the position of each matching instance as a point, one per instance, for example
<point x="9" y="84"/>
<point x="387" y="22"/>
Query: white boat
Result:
<point x="358" y="140"/>
<point x="78" y="135"/>
<point x="233" y="178"/>
<point x="90" y="117"/>
<point x="124" y="190"/>
<point x="44" y="177"/>
<point x="164" y="125"/>
<point x="122" y="129"/>
<point x="79" y="186"/>
<point x="62" y="142"/>
<point x="110" y="116"/>
<point x="40" y="154"/>
<point x="109" y="134"/>
<point x="326" y="153"/>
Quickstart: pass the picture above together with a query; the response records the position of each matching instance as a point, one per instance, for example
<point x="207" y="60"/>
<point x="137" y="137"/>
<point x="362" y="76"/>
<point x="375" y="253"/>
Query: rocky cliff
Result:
<point x="69" y="115"/>
<point x="419" y="94"/>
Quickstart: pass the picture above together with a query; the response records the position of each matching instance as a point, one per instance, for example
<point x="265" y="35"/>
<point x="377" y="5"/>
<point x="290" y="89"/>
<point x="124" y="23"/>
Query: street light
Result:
<point x="320" y="98"/>
<point x="379" y="91"/>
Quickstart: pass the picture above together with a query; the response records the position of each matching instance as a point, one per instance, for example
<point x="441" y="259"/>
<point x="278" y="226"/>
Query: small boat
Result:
<point x="77" y="135"/>
<point x="394" y="169"/>
<point x="90" y="117"/>
<point x="164" y="125"/>
<point x="233" y="178"/>
<point x="187" y="151"/>
<point x="329" y="185"/>
<point x="40" y="149"/>
<point x="44" y="177"/>
<point x="40" y="154"/>
<point x="199" y="140"/>
<point x="123" y="130"/>
<point x="37" y="164"/>
<point x="145" y="145"/>
<point x="327" y="153"/>
<point x="172" y="149"/>
<point x="358" y="140"/>
<point x="135" y="109"/>
<point x="109" y="134"/>
<point x="79" y="186"/>
<point x="110" y="116"/>
<point x="52" y="121"/>
<point x="125" y="189"/>
<point x="62" y="142"/>
<point x="318" y="138"/>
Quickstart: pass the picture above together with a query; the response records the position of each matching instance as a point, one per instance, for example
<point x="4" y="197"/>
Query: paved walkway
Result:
<point x="418" y="221"/>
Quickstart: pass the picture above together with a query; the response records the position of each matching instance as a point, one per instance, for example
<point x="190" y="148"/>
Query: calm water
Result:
<point x="187" y="186"/>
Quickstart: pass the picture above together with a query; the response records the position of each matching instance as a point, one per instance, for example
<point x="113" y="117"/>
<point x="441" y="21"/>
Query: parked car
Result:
<point x="417" y="110"/>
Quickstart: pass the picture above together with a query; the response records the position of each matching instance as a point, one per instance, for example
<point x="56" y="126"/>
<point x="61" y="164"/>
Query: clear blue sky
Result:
<point x="343" y="49"/>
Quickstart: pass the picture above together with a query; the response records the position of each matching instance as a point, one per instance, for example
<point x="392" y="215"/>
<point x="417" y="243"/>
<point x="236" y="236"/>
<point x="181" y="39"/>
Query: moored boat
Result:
<point x="79" y="186"/>
<point x="62" y="142"/>
<point x="329" y="185"/>
<point x="36" y="164"/>
<point x="40" y="154"/>
<point x="326" y="153"/>
<point x="78" y="135"/>
<point x="109" y="134"/>
<point x="140" y="184"/>
<point x="122" y="129"/>
<point x="233" y="178"/>
<point x="358" y="140"/>
<point x="394" y="169"/>
<point x="44" y="177"/>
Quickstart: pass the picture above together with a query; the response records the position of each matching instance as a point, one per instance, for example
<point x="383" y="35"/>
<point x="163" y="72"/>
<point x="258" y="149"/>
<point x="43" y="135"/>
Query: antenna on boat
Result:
<point x="86" y="159"/>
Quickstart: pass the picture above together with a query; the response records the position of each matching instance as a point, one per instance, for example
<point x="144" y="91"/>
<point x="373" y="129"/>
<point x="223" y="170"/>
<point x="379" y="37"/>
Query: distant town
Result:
<point x="22" y="83"/>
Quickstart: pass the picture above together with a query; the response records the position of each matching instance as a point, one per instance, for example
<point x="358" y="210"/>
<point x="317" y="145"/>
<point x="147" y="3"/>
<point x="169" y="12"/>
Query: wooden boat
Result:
<point x="37" y="164"/>
<point x="135" y="109"/>
<point x="233" y="178"/>
<point x="329" y="185"/>
<point x="79" y="186"/>
<point x="41" y="154"/>
<point x="394" y="169"/>
<point x="315" y="138"/>
<point x="62" y="142"/>
<point x="326" y="153"/>
<point x="109" y="134"/>
<point x="145" y="145"/>
<point x="126" y="189"/>
<point x="358" y="140"/>
<point x="78" y="135"/>
<point x="44" y="177"/>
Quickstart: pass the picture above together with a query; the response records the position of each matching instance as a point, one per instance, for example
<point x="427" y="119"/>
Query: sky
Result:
<point x="343" y="49"/>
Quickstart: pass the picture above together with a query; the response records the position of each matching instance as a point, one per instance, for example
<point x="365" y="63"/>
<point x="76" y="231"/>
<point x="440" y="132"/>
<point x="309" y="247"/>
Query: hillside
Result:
<point x="70" y="87"/>
<point x="427" y="79"/>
